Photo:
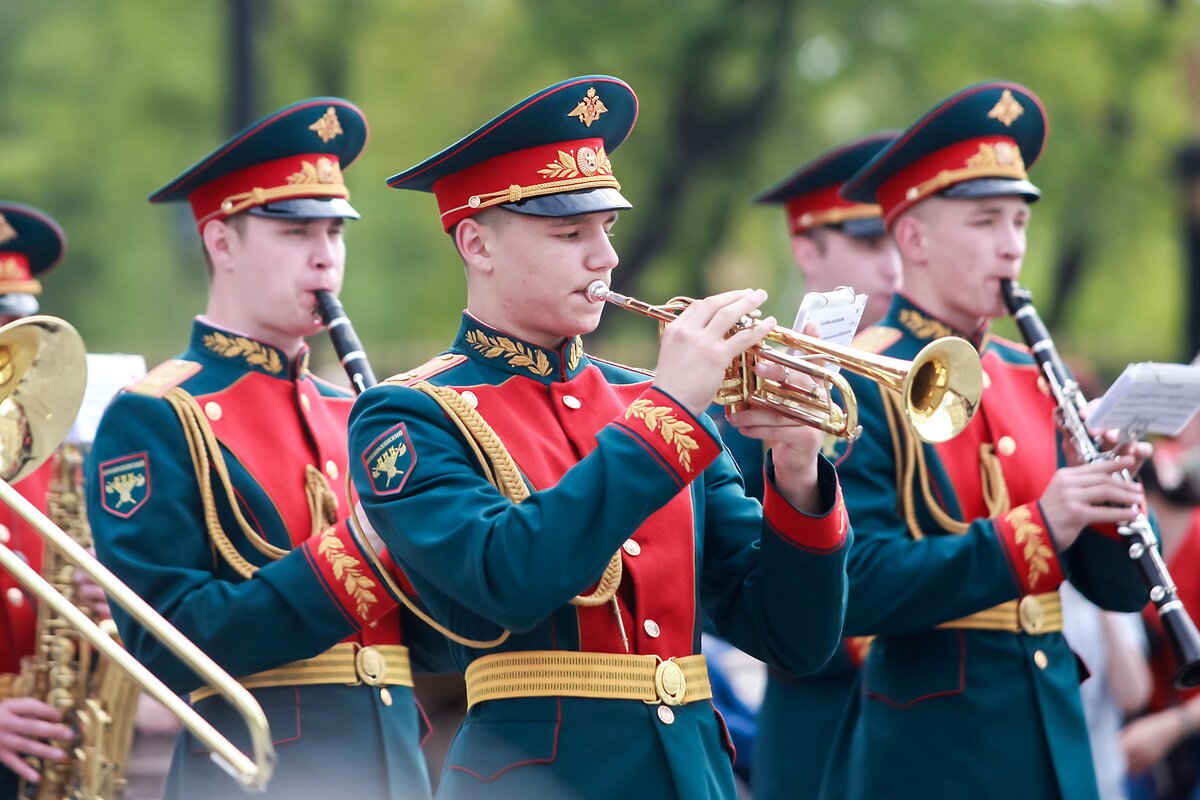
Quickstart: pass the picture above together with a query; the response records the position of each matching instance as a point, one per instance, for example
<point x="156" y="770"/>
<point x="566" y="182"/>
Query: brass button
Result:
<point x="632" y="548"/>
<point x="1043" y="385"/>
<point x="331" y="469"/>
<point x="370" y="666"/>
<point x="15" y="597"/>
<point x="446" y="356"/>
<point x="5" y="534"/>
<point x="1031" y="615"/>
<point x="669" y="683"/>
<point x="470" y="399"/>
<point x="385" y="696"/>
<point x="666" y="715"/>
<point x="987" y="379"/>
<point x="304" y="401"/>
<point x="1006" y="446"/>
<point x="212" y="410"/>
<point x="1039" y="658"/>
<point x="571" y="401"/>
<point x="651" y="628"/>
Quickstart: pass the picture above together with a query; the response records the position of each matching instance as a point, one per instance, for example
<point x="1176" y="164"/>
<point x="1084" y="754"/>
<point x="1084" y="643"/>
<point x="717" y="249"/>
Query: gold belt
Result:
<point x="1033" y="614"/>
<point x="611" y="676"/>
<point x="347" y="663"/>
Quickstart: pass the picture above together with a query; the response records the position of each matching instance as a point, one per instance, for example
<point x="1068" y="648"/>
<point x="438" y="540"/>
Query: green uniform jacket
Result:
<point x="612" y="465"/>
<point x="964" y="713"/>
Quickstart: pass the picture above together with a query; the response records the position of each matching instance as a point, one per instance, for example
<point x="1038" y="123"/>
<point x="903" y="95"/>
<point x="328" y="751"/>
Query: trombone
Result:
<point x="940" y="388"/>
<point x="43" y="370"/>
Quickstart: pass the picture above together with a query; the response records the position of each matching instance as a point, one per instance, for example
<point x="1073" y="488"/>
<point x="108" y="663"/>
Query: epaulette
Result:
<point x="427" y="370"/>
<point x="164" y="377"/>
<point x="876" y="338"/>
<point x="649" y="373"/>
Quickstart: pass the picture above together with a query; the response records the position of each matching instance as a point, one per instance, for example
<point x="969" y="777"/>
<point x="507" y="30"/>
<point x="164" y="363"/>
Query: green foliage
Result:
<point x="106" y="101"/>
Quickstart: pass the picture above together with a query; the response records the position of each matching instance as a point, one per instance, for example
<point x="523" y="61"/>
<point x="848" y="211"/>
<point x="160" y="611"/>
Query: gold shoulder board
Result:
<point x="875" y="339"/>
<point x="164" y="377"/>
<point x="427" y="370"/>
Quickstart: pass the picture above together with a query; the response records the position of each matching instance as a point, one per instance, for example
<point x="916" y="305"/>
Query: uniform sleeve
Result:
<point x="458" y="538"/>
<point x="774" y="577"/>
<point x="898" y="584"/>
<point x="155" y="540"/>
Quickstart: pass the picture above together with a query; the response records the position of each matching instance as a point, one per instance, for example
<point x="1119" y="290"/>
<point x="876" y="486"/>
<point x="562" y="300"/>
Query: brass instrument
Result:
<point x="42" y="376"/>
<point x="940" y="388"/>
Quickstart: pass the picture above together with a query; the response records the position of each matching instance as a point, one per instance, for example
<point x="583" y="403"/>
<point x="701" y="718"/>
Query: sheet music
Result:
<point x="836" y="315"/>
<point x="108" y="373"/>
<point x="1150" y="398"/>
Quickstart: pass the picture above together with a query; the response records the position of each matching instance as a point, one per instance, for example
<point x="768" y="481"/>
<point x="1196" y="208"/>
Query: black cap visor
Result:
<point x="992" y="187"/>
<point x="306" y="208"/>
<point x="868" y="228"/>
<point x="570" y="204"/>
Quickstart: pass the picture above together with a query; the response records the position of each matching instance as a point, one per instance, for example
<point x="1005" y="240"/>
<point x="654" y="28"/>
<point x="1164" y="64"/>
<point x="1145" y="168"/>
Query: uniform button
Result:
<point x="304" y="401"/>
<point x="987" y="379"/>
<point x="15" y="597"/>
<point x="470" y="398"/>
<point x="571" y="401"/>
<point x="666" y="715"/>
<point x="1043" y="385"/>
<point x="1039" y="658"/>
<point x="385" y="696"/>
<point x="1006" y="446"/>
<point x="632" y="547"/>
<point x="5" y="534"/>
<point x="331" y="470"/>
<point x="446" y="356"/>
<point x="212" y="410"/>
<point x="651" y="628"/>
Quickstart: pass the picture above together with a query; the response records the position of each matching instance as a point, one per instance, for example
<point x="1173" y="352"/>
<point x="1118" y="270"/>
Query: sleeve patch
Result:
<point x="125" y="484"/>
<point x="389" y="460"/>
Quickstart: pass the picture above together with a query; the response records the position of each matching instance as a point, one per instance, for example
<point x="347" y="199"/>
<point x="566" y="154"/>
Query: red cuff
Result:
<point x="1030" y="550"/>
<point x="348" y="574"/>
<point x="822" y="534"/>
<point x="670" y="431"/>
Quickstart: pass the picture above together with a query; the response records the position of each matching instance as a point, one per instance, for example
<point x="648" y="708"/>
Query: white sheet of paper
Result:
<point x="1150" y="398"/>
<point x="836" y="314"/>
<point x="108" y="373"/>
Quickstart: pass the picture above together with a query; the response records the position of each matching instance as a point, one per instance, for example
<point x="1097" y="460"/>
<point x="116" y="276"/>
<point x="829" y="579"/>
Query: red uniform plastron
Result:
<point x="531" y="172"/>
<point x="825" y="206"/>
<point x="18" y="621"/>
<point x="660" y="582"/>
<point x="915" y="182"/>
<point x="283" y="178"/>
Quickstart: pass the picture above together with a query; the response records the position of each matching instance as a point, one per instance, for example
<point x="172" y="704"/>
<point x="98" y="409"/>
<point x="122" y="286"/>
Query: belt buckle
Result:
<point x="370" y="666"/>
<point x="1031" y="615"/>
<point x="669" y="683"/>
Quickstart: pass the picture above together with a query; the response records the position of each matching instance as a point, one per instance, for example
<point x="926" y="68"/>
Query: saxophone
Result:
<point x="95" y="698"/>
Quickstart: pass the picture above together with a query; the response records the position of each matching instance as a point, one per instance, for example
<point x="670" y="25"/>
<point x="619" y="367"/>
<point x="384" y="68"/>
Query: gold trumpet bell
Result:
<point x="43" y="372"/>
<point x="942" y="389"/>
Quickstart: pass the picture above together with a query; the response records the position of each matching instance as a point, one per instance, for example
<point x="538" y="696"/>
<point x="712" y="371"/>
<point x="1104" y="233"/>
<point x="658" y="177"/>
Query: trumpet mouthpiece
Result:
<point x="596" y="290"/>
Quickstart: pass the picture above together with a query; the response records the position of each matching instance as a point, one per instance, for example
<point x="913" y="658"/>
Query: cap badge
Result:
<point x="10" y="269"/>
<point x="1006" y="110"/>
<point x="7" y="234"/>
<point x="1000" y="154"/>
<point x="326" y="170"/>
<point x="586" y="161"/>
<point x="589" y="108"/>
<point x="327" y="127"/>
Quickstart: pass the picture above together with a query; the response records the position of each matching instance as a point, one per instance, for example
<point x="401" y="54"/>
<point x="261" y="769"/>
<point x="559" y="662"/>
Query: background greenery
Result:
<point x="104" y="100"/>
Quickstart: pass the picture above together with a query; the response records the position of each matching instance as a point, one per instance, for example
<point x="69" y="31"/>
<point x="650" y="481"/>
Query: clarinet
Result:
<point x="1178" y="626"/>
<point x="345" y="341"/>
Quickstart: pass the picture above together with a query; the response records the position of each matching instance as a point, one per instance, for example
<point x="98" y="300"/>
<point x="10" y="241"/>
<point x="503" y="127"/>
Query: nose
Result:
<point x="323" y="253"/>
<point x="1011" y="245"/>
<point x="602" y="256"/>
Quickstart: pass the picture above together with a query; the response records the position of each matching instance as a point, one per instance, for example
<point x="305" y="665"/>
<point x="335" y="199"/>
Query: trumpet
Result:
<point x="43" y="371"/>
<point x="940" y="388"/>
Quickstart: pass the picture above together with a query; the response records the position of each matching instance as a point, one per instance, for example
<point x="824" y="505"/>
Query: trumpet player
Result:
<point x="969" y="689"/>
<point x="216" y="485"/>
<point x="568" y="519"/>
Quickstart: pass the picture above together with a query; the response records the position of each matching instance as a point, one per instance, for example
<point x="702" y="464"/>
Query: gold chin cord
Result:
<point x="940" y="388"/>
<point x="43" y="371"/>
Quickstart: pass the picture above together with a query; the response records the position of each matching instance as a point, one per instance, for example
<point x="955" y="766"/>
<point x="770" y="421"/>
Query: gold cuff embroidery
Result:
<point x="672" y="429"/>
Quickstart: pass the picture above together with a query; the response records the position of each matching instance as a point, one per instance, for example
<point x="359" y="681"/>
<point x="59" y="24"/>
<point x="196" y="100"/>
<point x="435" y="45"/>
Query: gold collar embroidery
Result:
<point x="923" y="327"/>
<point x="256" y="354"/>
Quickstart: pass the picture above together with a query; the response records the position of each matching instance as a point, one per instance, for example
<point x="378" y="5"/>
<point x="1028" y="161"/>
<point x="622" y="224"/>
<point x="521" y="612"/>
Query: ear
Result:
<point x="911" y="236"/>
<point x="470" y="237"/>
<point x="806" y="254"/>
<point x="219" y="241"/>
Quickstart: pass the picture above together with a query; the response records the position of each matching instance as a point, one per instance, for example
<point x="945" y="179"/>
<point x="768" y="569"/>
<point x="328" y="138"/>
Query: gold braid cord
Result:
<point x="322" y="502"/>
<point x="910" y="455"/>
<point x="206" y="455"/>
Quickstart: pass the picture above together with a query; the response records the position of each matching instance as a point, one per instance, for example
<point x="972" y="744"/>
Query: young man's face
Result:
<point x="277" y="264"/>
<point x="541" y="268"/>
<point x="831" y="258"/>
<point x="970" y="246"/>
